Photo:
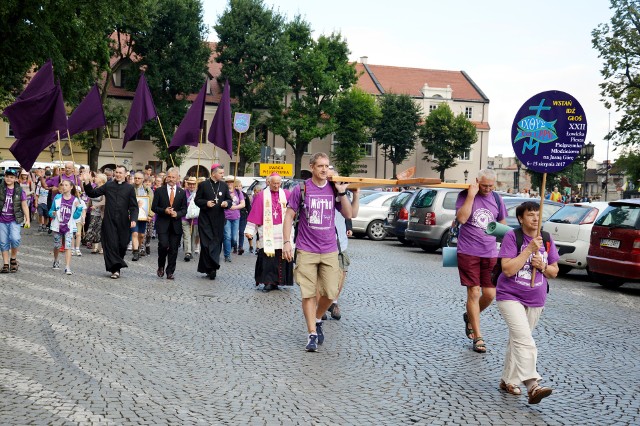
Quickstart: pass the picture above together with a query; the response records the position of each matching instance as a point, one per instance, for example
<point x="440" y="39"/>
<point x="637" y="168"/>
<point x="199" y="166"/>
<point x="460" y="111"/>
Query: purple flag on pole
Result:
<point x="37" y="115"/>
<point x="89" y="114"/>
<point x="41" y="82"/>
<point x="220" y="132"/>
<point x="188" y="132"/>
<point x="26" y="151"/>
<point x="142" y="110"/>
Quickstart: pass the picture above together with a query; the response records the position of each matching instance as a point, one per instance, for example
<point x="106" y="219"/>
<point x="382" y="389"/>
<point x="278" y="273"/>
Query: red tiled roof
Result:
<point x="481" y="125"/>
<point x="402" y="80"/>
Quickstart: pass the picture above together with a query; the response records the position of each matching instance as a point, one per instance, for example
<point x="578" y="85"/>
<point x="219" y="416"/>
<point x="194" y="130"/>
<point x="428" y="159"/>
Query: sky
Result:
<point x="511" y="49"/>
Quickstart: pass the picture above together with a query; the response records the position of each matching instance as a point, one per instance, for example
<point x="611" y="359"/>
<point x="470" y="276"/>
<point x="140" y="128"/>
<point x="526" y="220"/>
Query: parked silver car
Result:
<point x="371" y="215"/>
<point x="430" y="217"/>
<point x="570" y="228"/>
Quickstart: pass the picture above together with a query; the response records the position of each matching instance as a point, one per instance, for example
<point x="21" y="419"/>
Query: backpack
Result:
<point x="497" y="269"/>
<point x="454" y="230"/>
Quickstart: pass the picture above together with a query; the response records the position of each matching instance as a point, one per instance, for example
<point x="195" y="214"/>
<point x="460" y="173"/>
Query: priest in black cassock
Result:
<point x="213" y="198"/>
<point x="120" y="215"/>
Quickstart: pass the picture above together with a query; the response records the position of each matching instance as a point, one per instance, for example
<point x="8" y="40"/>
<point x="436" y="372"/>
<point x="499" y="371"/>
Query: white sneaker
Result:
<point x="67" y="271"/>
<point x="78" y="253"/>
<point x="73" y="252"/>
<point x="129" y="247"/>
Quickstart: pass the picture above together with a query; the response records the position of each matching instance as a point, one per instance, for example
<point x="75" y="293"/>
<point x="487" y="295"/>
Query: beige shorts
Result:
<point x="317" y="273"/>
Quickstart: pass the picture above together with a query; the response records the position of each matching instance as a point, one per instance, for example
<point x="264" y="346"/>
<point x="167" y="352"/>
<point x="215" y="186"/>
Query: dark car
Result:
<point x="614" y="248"/>
<point x="398" y="215"/>
<point x="430" y="217"/>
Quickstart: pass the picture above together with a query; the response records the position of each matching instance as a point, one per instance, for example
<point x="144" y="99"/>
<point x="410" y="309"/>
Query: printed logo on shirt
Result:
<point x="523" y="277"/>
<point x="481" y="218"/>
<point x="321" y="211"/>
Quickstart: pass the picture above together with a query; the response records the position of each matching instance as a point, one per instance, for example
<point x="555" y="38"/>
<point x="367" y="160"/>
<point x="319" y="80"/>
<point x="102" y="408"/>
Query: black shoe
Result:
<point x="250" y="249"/>
<point x="170" y="276"/>
<point x="160" y="272"/>
<point x="240" y="252"/>
<point x="269" y="287"/>
<point x="136" y="255"/>
<point x="49" y="231"/>
<point x="187" y="257"/>
<point x="212" y="275"/>
<point x="334" y="310"/>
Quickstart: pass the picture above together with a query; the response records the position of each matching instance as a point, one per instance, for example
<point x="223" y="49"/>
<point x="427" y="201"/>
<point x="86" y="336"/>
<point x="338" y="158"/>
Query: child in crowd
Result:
<point x="77" y="238"/>
<point x="65" y="210"/>
<point x="14" y="214"/>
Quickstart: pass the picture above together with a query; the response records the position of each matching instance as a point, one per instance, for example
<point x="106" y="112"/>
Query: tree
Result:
<point x="446" y="137"/>
<point x="252" y="51"/>
<point x="320" y="71"/>
<point x="175" y="56"/>
<point x="398" y="127"/>
<point x="629" y="161"/>
<point x="618" y="44"/>
<point x="356" y="116"/>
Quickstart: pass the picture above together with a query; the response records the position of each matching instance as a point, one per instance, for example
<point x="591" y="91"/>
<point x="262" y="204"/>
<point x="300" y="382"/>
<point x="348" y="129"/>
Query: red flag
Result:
<point x="142" y="110"/>
<point x="220" y="132"/>
<point x="188" y="132"/>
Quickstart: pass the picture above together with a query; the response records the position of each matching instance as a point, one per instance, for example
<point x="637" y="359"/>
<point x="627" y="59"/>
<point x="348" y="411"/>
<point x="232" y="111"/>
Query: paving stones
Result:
<point x="85" y="349"/>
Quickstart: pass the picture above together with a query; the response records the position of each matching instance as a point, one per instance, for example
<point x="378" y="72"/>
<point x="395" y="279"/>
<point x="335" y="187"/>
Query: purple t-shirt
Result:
<point x="55" y="181"/>
<point x="316" y="227"/>
<point x="64" y="215"/>
<point x="518" y="287"/>
<point x="237" y="198"/>
<point x="472" y="239"/>
<point x="7" y="215"/>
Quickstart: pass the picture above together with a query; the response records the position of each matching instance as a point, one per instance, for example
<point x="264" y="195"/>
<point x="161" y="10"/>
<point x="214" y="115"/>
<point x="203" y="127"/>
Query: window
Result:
<point x="10" y="131"/>
<point x="307" y="150"/>
<point x="367" y="147"/>
<point x="119" y="78"/>
<point x="114" y="129"/>
<point x="466" y="155"/>
<point x="424" y="198"/>
<point x="450" y="199"/>
<point x="432" y="107"/>
<point x="468" y="112"/>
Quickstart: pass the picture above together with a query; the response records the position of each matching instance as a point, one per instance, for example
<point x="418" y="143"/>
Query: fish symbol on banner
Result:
<point x="537" y="129"/>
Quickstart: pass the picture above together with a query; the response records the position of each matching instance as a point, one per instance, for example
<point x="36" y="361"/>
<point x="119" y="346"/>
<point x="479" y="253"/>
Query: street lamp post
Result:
<point x="466" y="175"/>
<point x="586" y="152"/>
<point x="52" y="150"/>
<point x="516" y="183"/>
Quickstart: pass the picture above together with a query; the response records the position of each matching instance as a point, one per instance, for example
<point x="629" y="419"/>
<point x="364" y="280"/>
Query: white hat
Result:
<point x="229" y="178"/>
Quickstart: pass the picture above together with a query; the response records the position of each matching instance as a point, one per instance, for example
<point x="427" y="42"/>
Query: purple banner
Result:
<point x="548" y="132"/>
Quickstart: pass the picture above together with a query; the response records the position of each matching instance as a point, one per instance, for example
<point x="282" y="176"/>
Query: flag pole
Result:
<point x="111" y="142"/>
<point x="60" y="148"/>
<point x="544" y="184"/>
<point x="165" y="139"/>
<point x="198" y="168"/>
<point x="238" y="156"/>
<point x="71" y="146"/>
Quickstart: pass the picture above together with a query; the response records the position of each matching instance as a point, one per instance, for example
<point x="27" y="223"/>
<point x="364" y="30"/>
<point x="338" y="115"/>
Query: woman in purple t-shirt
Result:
<point x="232" y="216"/>
<point x="520" y="304"/>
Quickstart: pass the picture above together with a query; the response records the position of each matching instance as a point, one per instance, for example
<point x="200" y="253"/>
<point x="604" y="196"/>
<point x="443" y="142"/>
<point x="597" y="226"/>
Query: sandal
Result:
<point x="13" y="265"/>
<point x="479" y="347"/>
<point x="115" y="275"/>
<point x="538" y="393"/>
<point x="467" y="327"/>
<point x="510" y="388"/>
<point x="5" y="269"/>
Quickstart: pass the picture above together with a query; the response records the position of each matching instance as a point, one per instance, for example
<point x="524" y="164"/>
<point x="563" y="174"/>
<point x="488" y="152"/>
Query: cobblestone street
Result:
<point x="85" y="349"/>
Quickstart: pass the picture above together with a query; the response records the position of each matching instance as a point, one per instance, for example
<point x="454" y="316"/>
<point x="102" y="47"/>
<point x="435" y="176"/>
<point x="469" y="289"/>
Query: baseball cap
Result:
<point x="11" y="172"/>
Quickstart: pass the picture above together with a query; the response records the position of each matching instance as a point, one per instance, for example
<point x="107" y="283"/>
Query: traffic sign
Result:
<point x="281" y="168"/>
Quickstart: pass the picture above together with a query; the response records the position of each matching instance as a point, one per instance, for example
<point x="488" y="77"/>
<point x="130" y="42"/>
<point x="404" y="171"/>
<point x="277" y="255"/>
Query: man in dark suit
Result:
<point x="170" y="206"/>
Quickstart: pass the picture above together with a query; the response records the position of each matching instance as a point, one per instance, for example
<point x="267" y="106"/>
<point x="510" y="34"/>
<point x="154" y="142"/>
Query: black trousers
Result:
<point x="168" y="244"/>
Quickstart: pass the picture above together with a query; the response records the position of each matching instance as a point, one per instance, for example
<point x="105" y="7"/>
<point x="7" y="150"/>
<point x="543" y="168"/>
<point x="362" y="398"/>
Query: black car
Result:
<point x="398" y="217"/>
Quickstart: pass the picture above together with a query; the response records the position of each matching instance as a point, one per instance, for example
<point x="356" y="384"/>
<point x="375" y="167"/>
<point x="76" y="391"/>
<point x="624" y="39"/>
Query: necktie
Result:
<point x="171" y="196"/>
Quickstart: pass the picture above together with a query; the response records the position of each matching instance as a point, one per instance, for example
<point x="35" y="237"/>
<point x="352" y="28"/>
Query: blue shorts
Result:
<point x="9" y="235"/>
<point x="43" y="211"/>
<point x="140" y="228"/>
<point x="68" y="240"/>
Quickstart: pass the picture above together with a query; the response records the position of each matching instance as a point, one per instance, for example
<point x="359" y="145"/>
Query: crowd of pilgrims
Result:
<point x="57" y="204"/>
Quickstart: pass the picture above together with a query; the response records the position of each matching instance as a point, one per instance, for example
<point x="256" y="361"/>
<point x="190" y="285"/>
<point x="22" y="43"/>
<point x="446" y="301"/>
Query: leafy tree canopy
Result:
<point x="397" y="128"/>
<point x="446" y="137"/>
<point x="618" y="44"/>
<point x="356" y="118"/>
<point x="175" y="56"/>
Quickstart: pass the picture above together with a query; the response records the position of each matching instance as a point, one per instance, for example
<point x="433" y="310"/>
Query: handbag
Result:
<point x="193" y="211"/>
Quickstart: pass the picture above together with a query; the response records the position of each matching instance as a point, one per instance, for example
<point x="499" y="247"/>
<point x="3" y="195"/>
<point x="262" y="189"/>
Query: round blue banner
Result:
<point x="548" y="132"/>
